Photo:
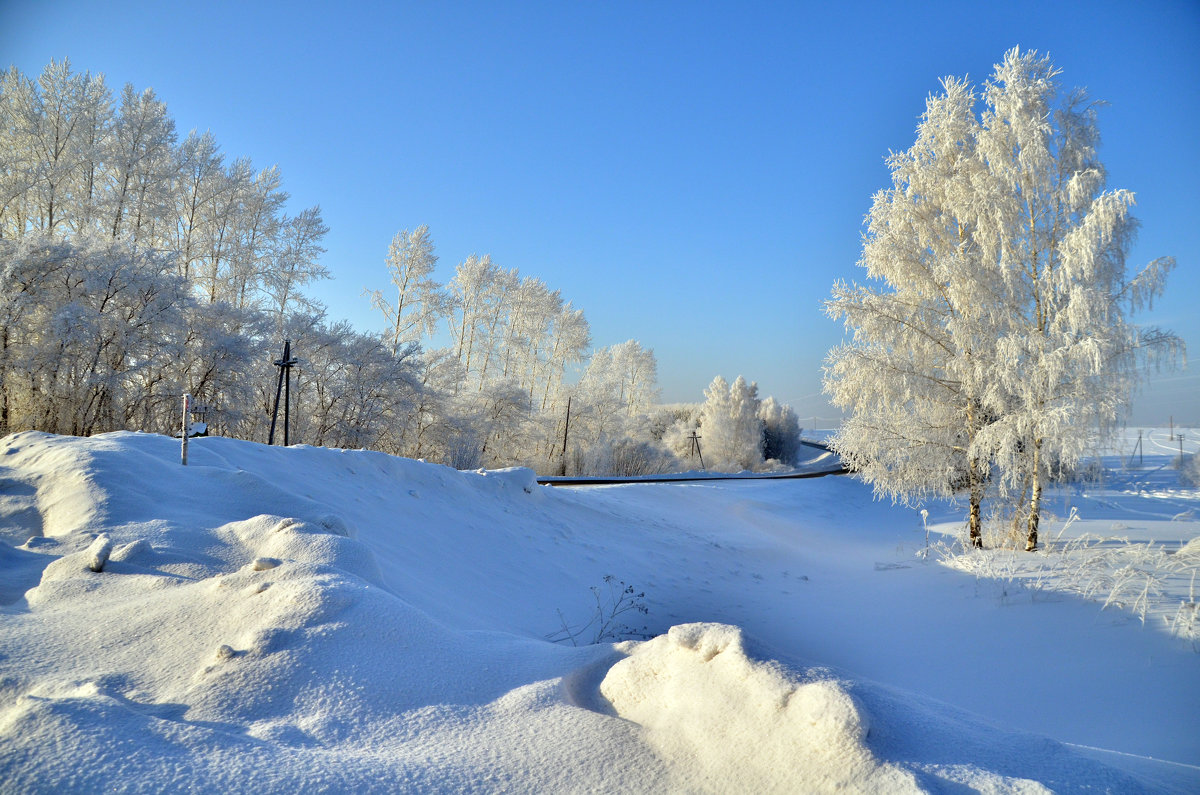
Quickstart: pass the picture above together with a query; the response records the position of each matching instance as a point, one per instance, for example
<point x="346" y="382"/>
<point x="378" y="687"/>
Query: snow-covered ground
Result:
<point x="303" y="618"/>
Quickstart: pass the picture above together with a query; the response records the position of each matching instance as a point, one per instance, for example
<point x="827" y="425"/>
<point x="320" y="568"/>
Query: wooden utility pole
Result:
<point x="1138" y="450"/>
<point x="285" y="366"/>
<point x="694" y="448"/>
<point x="566" y="427"/>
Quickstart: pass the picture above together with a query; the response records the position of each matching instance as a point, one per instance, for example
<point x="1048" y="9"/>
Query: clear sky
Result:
<point x="693" y="175"/>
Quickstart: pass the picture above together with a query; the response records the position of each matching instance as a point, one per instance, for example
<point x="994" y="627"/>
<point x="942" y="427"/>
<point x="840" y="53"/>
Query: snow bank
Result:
<point x="182" y="651"/>
<point x="727" y="723"/>
<point x="274" y="619"/>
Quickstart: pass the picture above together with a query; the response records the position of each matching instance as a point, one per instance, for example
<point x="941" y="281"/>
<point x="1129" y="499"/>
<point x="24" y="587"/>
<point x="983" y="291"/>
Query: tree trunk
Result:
<point x="974" y="523"/>
<point x="974" y="478"/>
<point x="4" y="410"/>
<point x="1035" y="498"/>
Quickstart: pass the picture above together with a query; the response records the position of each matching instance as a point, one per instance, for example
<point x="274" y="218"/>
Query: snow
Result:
<point x="269" y="619"/>
<point x="732" y="723"/>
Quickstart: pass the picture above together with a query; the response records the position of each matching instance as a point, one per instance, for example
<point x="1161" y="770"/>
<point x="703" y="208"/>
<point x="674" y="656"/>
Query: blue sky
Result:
<point x="694" y="175"/>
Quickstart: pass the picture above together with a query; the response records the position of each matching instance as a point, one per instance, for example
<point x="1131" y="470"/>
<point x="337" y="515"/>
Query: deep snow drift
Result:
<point x="271" y="618"/>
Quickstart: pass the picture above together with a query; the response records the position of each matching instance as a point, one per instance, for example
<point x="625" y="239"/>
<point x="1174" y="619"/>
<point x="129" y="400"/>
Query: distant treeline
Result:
<point x="136" y="267"/>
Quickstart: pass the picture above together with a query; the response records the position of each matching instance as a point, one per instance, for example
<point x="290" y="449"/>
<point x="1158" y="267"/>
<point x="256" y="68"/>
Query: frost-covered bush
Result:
<point x="622" y="458"/>
<point x="1088" y="471"/>
<point x="678" y="439"/>
<point x="461" y="450"/>
<point x="633" y="457"/>
<point x="1113" y="572"/>
<point x="1189" y="473"/>
<point x="736" y="430"/>
<point x="662" y="422"/>
<point x="781" y="432"/>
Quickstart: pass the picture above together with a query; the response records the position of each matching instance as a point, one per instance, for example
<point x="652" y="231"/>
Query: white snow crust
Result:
<point x="270" y="619"/>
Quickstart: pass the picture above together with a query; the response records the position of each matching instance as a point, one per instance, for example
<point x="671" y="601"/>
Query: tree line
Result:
<point x="512" y="342"/>
<point x="138" y="264"/>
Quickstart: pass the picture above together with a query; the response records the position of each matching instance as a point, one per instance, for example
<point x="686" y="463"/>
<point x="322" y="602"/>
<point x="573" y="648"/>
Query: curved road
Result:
<point x="834" y="468"/>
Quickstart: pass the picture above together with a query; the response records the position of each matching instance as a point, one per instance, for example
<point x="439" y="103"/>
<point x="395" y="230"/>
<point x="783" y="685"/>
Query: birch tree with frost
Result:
<point x="913" y="376"/>
<point x="420" y="301"/>
<point x="994" y="338"/>
<point x="1070" y="356"/>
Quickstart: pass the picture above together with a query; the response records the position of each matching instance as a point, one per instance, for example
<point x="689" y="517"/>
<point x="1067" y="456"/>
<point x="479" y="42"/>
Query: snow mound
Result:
<point x="729" y="723"/>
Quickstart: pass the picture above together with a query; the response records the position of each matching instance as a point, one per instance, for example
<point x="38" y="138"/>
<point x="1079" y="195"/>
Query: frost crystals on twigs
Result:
<point x="614" y="600"/>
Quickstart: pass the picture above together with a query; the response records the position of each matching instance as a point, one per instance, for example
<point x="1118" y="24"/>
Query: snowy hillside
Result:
<point x="271" y="619"/>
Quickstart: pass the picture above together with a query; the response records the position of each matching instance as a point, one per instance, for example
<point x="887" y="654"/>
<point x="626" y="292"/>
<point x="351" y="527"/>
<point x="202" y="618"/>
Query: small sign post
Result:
<point x="187" y="399"/>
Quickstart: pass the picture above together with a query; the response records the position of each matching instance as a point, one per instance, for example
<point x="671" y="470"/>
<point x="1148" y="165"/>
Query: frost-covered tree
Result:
<point x="636" y="373"/>
<point x="433" y="427"/>
<point x="349" y="388"/>
<point x="294" y="263"/>
<point x="83" y="319"/>
<point x="137" y="266"/>
<point x="19" y="166"/>
<point x="111" y="230"/>
<point x="140" y="165"/>
<point x="28" y="267"/>
<point x="502" y="420"/>
<point x="222" y="347"/>
<point x="730" y="425"/>
<point x="476" y="303"/>
<point x="994" y="336"/>
<point x="257" y="231"/>
<point x="199" y="167"/>
<point x="620" y="381"/>
<point x="215" y="274"/>
<point x="913" y="377"/>
<point x="527" y="327"/>
<point x="94" y="129"/>
<point x="608" y="405"/>
<point x="420" y="301"/>
<point x="569" y="340"/>
<point x="781" y="432"/>
<point x="1069" y="357"/>
<point x="58" y="120"/>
